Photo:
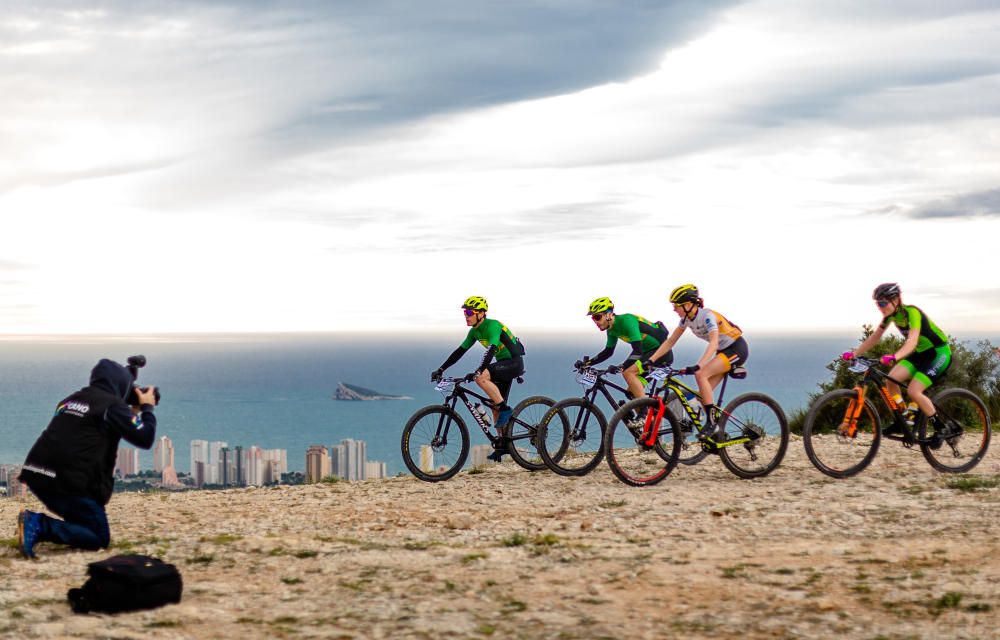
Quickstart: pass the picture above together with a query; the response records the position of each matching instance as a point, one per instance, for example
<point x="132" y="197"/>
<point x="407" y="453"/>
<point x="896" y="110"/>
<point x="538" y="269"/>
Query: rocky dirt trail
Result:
<point x="899" y="552"/>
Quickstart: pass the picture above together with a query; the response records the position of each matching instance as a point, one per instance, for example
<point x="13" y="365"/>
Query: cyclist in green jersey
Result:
<point x="644" y="337"/>
<point x="494" y="377"/>
<point x="924" y="356"/>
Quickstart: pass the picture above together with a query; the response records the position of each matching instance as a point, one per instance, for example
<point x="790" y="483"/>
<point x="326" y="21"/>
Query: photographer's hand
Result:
<point x="147" y="396"/>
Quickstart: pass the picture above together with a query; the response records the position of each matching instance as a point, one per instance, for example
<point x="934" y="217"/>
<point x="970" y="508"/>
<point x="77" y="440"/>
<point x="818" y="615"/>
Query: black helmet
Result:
<point x="886" y="291"/>
<point x="684" y="293"/>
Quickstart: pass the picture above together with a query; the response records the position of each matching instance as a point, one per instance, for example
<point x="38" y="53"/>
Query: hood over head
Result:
<point x="112" y="377"/>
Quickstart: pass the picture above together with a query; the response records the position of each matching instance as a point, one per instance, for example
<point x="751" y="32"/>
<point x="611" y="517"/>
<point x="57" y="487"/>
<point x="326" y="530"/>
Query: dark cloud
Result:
<point x="979" y="204"/>
<point x="450" y="56"/>
<point x="378" y="61"/>
<point x="263" y="81"/>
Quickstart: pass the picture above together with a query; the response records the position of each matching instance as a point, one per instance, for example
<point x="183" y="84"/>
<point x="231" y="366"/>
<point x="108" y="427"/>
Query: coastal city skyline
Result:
<point x="216" y="464"/>
<point x="803" y="139"/>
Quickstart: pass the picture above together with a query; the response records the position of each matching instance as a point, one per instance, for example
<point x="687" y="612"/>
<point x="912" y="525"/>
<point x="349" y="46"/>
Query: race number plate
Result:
<point x="587" y="378"/>
<point x="659" y="375"/>
<point x="445" y="387"/>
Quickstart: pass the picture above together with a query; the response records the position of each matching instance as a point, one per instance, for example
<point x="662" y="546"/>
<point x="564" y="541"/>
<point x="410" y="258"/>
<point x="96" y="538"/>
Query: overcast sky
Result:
<point x="303" y="166"/>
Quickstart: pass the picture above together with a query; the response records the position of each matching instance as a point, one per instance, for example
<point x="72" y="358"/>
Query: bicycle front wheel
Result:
<point x="966" y="435"/>
<point x="835" y="446"/>
<point x="571" y="437"/>
<point x="758" y="430"/>
<point x="631" y="459"/>
<point x="435" y="443"/>
<point x="522" y="431"/>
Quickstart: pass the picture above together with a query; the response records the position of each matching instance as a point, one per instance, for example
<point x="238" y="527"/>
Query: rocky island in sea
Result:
<point x="352" y="392"/>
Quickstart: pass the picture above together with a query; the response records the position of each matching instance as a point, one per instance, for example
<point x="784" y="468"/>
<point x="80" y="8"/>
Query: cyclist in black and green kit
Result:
<point x="924" y="356"/>
<point x="644" y="337"/>
<point x="494" y="377"/>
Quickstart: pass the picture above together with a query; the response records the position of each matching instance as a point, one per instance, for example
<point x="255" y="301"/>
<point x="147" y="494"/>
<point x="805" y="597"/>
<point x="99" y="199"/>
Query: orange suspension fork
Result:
<point x="850" y="424"/>
<point x="652" y="426"/>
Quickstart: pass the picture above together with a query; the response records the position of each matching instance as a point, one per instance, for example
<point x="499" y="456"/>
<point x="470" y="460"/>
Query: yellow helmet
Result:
<point x="600" y="306"/>
<point x="684" y="293"/>
<point x="476" y="303"/>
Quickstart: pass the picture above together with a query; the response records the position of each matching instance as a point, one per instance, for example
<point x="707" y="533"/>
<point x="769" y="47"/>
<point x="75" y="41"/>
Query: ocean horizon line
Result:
<point x="193" y="337"/>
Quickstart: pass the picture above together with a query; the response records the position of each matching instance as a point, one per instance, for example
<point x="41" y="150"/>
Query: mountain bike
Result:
<point x="435" y="442"/>
<point x="571" y="434"/>
<point x="843" y="429"/>
<point x="751" y="438"/>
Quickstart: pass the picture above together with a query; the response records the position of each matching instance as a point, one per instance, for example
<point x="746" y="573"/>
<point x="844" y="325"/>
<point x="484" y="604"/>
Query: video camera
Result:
<point x="134" y="364"/>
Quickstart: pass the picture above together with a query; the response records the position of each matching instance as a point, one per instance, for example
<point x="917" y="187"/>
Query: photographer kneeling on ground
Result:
<point x="71" y="467"/>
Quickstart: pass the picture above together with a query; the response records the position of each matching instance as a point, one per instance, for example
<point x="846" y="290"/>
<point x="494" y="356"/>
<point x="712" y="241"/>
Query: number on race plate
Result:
<point x="445" y="387"/>
<point x="587" y="378"/>
<point x="654" y="376"/>
<point x="657" y="374"/>
<point x="859" y="367"/>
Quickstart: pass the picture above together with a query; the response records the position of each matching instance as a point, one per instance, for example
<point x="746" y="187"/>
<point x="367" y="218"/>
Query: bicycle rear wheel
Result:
<point x="522" y="431"/>
<point x="759" y="421"/>
<point x="571" y="437"/>
<point x="435" y="443"/>
<point x="966" y="435"/>
<point x="630" y="459"/>
<point x="832" y="445"/>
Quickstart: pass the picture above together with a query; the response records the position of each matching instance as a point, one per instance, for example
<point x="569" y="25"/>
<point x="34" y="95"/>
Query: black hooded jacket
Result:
<point x="75" y="455"/>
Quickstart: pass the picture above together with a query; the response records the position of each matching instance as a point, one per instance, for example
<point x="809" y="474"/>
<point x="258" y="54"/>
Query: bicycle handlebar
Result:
<point x="519" y="379"/>
<point x="599" y="372"/>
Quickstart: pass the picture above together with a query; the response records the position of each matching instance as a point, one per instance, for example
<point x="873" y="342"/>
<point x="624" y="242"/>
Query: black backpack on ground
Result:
<point x="127" y="583"/>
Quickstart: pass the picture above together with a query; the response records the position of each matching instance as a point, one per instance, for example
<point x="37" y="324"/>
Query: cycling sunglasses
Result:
<point x="882" y="304"/>
<point x="597" y="316"/>
<point x="468" y="312"/>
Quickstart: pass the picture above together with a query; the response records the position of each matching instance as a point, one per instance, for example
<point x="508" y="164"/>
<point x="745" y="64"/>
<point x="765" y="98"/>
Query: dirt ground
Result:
<point x="899" y="552"/>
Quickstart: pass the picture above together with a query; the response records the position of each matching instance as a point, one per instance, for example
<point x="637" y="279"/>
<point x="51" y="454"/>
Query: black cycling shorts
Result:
<point x="736" y="353"/>
<point x="929" y="365"/>
<point x="503" y="373"/>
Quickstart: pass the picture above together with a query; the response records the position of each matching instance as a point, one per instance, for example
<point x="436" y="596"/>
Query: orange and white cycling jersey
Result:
<point x="706" y="321"/>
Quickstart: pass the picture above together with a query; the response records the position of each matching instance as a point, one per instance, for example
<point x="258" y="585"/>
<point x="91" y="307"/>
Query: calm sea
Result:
<point x="276" y="391"/>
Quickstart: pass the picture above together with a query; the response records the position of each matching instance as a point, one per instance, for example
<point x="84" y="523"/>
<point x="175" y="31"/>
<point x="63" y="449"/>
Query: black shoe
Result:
<point x="941" y="433"/>
<point x="712" y="433"/>
<point x="497" y="456"/>
<point x="893" y="429"/>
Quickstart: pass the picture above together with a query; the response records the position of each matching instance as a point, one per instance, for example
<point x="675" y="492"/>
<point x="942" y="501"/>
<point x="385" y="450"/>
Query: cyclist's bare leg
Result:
<point x="902" y="374"/>
<point x="709" y="376"/>
<point x="635" y="387"/>
<point x="916" y="392"/>
<point x="490" y="389"/>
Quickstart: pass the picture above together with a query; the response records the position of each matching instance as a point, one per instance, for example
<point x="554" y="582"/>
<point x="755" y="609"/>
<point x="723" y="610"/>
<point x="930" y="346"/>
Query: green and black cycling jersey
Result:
<point x="644" y="336"/>
<point x="498" y="340"/>
<point x="909" y="318"/>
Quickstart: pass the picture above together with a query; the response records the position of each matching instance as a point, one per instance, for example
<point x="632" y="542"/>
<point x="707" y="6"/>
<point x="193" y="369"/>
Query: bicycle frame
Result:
<point x="878" y="378"/>
<point x="675" y="386"/>
<point x="601" y="386"/>
<point x="459" y="392"/>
